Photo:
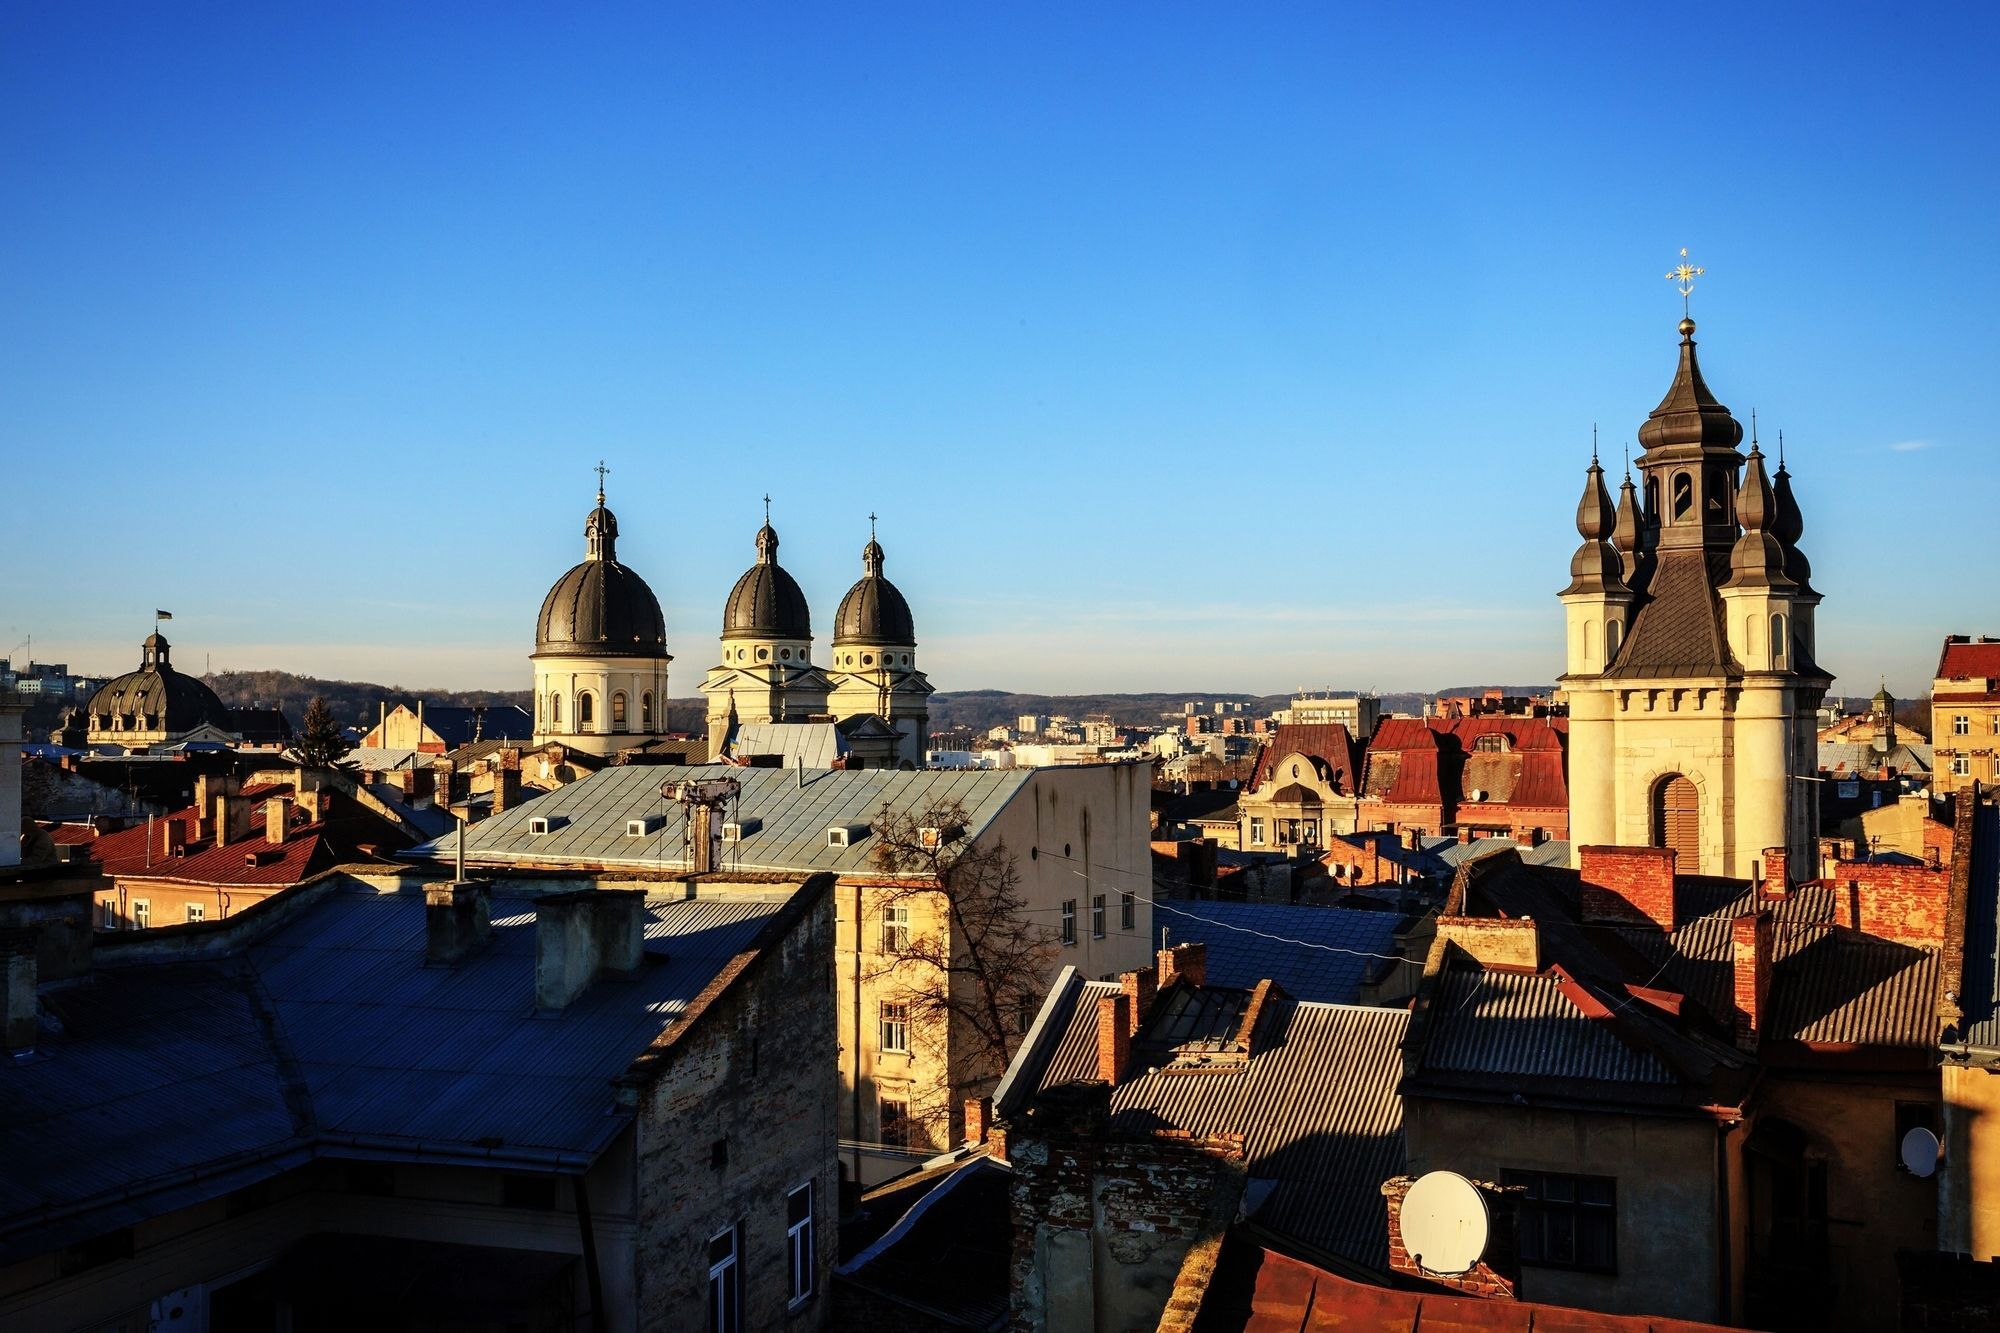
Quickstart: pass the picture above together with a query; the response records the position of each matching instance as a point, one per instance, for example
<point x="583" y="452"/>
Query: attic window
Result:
<point x="540" y="826"/>
<point x="1491" y="743"/>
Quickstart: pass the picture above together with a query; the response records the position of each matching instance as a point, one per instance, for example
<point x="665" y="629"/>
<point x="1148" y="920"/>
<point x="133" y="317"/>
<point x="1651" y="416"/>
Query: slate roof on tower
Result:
<point x="873" y="611"/>
<point x="157" y="691"/>
<point x="766" y="602"/>
<point x="600" y="607"/>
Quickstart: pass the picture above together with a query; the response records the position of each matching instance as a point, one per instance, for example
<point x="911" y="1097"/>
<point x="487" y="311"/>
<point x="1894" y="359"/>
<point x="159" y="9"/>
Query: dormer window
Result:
<point x="1491" y="743"/>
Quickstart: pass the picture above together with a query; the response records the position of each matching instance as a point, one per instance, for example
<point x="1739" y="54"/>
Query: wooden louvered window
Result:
<point x="1677" y="821"/>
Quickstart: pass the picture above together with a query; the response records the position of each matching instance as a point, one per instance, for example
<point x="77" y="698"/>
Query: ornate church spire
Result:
<point x="600" y="530"/>
<point x="1788" y="524"/>
<point x="1626" y="535"/>
<point x="1758" y="558"/>
<point x="1596" y="566"/>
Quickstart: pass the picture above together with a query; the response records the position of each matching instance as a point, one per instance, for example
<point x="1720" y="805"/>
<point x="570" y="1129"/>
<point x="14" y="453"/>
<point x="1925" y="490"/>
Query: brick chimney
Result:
<point x="1183" y="962"/>
<point x="1750" y="946"/>
<point x="1114" y="1037"/>
<point x="702" y="835"/>
<point x="457" y="920"/>
<point x="451" y="787"/>
<point x="1628" y="884"/>
<point x="978" y="1117"/>
<point x="1139" y="988"/>
<point x="232" y="819"/>
<point x="1497" y="1274"/>
<point x="507" y="781"/>
<point x="18" y="1021"/>
<point x="1464" y="836"/>
<point x="275" y="821"/>
<point x="1777" y="877"/>
<point x="580" y="936"/>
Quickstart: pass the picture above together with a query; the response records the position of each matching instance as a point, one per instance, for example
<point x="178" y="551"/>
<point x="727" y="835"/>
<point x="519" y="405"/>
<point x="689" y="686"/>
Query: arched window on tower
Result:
<point x="1677" y="821"/>
<point x="1614" y="634"/>
<point x="555" y="710"/>
<point x="1652" y="499"/>
<point x="1683" y="495"/>
<point x="646" y="711"/>
<point x="586" y="709"/>
<point x="618" y="711"/>
<point x="1780" y="641"/>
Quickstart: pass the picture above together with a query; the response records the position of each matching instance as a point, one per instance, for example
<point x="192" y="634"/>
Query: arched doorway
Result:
<point x="1677" y="821"/>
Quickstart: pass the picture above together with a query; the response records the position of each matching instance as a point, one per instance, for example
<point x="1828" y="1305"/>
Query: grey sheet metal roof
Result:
<point x="1454" y="853"/>
<point x="802" y="744"/>
<point x="1521" y="1024"/>
<point x="1242" y="950"/>
<point x="1316" y="1101"/>
<point x="331" y="1035"/>
<point x="589" y="817"/>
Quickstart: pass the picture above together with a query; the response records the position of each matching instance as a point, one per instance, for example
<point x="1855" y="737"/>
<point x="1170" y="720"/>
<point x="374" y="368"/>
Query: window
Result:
<point x="895" y="1027"/>
<point x="1779" y="641"/>
<point x="1961" y="725"/>
<point x="646" y="711"/>
<point x="1961" y="766"/>
<point x="725" y="1284"/>
<point x="895" y="930"/>
<point x="1568" y="1221"/>
<point x="1128" y="911"/>
<point x="555" y="709"/>
<point x="618" y="711"/>
<point x="142" y="914"/>
<point x="1097" y="917"/>
<point x="1256" y="831"/>
<point x="1683" y="495"/>
<point x="1493" y="742"/>
<point x="1069" y="921"/>
<point x="894" y="1118"/>
<point x="586" y="709"/>
<point x="196" y="912"/>
<point x="1996" y="724"/>
<point x="799" y="1240"/>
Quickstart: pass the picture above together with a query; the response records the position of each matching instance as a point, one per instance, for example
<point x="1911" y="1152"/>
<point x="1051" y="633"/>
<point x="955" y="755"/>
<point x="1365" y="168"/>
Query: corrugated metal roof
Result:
<point x="793" y="817"/>
<point x="801" y="744"/>
<point x="1328" y="965"/>
<point x="1522" y="1024"/>
<point x="334" y="1028"/>
<point x="1316" y="1103"/>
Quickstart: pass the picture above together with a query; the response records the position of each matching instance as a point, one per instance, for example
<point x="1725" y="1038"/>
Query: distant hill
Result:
<point x="358" y="703"/>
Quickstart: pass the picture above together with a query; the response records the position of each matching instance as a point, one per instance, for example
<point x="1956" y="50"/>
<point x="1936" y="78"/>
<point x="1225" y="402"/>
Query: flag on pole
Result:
<point x="163" y="615"/>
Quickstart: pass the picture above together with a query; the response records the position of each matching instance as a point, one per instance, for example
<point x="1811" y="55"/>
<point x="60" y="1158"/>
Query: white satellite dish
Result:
<point x="1445" y="1225"/>
<point x="1920" y="1152"/>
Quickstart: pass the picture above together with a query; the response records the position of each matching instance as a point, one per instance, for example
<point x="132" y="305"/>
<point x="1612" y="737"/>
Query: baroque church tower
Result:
<point x="1691" y="673"/>
<point x="766" y="673"/>
<point x="875" y="659"/>
<point x="600" y="650"/>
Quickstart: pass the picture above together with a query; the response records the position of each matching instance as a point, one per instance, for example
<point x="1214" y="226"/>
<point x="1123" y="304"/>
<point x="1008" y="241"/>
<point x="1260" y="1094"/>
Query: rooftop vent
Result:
<point x="934" y="838"/>
<point x="845" y="835"/>
<point x="540" y="826"/>
<point x="741" y="829"/>
<point x="641" y="827"/>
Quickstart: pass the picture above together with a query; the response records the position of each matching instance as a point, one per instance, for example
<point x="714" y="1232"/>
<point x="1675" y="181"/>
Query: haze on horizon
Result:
<point x="1173" y="349"/>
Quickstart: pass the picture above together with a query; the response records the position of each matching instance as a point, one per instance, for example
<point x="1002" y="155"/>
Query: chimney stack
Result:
<point x="451" y="786"/>
<point x="579" y="936"/>
<point x="457" y="920"/>
<point x="1750" y="943"/>
<point x="274" y="821"/>
<point x="17" y="962"/>
<point x="702" y="837"/>
<point x="1183" y="962"/>
<point x="507" y="781"/>
<point x="232" y="819"/>
<point x="1627" y="884"/>
<point x="1777" y="877"/>
<point x="1114" y="1037"/>
<point x="1139" y="988"/>
<point x="978" y="1116"/>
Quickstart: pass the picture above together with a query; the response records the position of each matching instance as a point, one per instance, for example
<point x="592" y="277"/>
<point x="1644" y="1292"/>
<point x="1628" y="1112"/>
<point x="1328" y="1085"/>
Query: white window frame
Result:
<point x="1069" y="921"/>
<point x="799" y="1246"/>
<point x="1128" y="911"/>
<point x="1961" y="766"/>
<point x="896" y="928"/>
<point x="1961" y="724"/>
<point x="1256" y="831"/>
<point x="893" y="1034"/>
<point x="142" y="913"/>
<point x="197" y="912"/>
<point x="1099" y="917"/>
<point x="725" y="1283"/>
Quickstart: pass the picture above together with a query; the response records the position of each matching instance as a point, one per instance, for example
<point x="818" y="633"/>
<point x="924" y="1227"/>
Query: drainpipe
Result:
<point x="582" y="1199"/>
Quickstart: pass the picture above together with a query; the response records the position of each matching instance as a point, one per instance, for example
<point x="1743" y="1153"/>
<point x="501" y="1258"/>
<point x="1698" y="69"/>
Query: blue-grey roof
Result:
<point x="1313" y="953"/>
<point x="800" y="744"/>
<point x="1454" y="853"/>
<point x="332" y="1035"/>
<point x="588" y="818"/>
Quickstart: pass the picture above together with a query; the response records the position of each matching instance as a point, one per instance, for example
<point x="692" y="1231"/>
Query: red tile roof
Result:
<point x="1319" y="740"/>
<point x="251" y="861"/>
<point x="1969" y="661"/>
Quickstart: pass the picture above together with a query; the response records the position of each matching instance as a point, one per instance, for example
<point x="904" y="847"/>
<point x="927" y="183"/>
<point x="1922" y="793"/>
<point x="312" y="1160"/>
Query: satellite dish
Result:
<point x="1920" y="1152"/>
<point x="1445" y="1226"/>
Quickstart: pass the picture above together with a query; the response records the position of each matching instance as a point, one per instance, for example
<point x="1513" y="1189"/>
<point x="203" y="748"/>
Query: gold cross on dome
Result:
<point x="600" y="470"/>
<point x="1684" y="274"/>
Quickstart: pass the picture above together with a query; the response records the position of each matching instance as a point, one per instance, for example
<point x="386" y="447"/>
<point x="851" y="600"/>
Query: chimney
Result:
<point x="232" y="819"/>
<point x="1777" y="880"/>
<point x="1627" y="884"/>
<point x="978" y="1115"/>
<point x="451" y="786"/>
<point x="701" y="840"/>
<point x="420" y="726"/>
<point x="1183" y="962"/>
<point x="580" y="936"/>
<point x="171" y="835"/>
<point x="1750" y="964"/>
<point x="17" y="960"/>
<point x="406" y="784"/>
<point x="1528" y="837"/>
<point x="317" y="803"/>
<point x="274" y="821"/>
<point x="382" y="722"/>
<point x="478" y="722"/>
<point x="1464" y="837"/>
<point x="1496" y="1273"/>
<point x="1114" y="1037"/>
<point x="457" y="920"/>
<point x="1139" y="988"/>
<point x="507" y="781"/>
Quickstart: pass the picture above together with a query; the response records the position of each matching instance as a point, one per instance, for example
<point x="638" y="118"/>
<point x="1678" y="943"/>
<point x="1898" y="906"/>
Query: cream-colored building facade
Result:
<point x="1690" y="666"/>
<point x="600" y="659"/>
<point x="1965" y="714"/>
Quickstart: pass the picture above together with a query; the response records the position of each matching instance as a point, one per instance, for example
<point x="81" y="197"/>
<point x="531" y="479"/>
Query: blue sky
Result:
<point x="1179" y="347"/>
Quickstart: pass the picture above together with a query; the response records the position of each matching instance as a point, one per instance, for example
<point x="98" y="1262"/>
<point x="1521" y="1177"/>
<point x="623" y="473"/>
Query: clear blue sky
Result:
<point x="1178" y="346"/>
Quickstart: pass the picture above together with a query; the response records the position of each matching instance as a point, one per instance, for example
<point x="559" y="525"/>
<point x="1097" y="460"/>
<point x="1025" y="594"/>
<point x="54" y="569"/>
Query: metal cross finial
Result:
<point x="1781" y="449"/>
<point x="871" y="525"/>
<point x="1684" y="274"/>
<point x="767" y="509"/>
<point x="1753" y="428"/>
<point x="600" y="469"/>
<point x="1593" y="444"/>
<point x="1628" y="460"/>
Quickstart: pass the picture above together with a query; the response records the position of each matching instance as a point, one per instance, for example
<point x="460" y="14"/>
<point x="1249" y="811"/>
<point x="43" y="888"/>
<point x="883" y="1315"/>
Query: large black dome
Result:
<point x="766" y="602"/>
<point x="600" y="607"/>
<point x="156" y="697"/>
<point x="874" y="610"/>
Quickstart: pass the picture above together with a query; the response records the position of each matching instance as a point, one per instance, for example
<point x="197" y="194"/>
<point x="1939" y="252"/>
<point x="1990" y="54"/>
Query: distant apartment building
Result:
<point x="1965" y="714"/>
<point x="1357" y="712"/>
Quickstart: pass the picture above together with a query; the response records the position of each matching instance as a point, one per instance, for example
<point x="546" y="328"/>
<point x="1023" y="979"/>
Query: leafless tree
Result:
<point x="973" y="964"/>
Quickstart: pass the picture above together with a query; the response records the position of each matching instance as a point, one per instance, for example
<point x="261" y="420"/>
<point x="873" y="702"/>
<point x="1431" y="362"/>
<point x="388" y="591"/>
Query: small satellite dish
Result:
<point x="1445" y="1225"/>
<point x="1920" y="1152"/>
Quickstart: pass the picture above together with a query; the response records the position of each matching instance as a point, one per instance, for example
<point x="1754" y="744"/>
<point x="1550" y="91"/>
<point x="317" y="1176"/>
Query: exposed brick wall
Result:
<point x="1902" y="903"/>
<point x="757" y="1073"/>
<point x="1628" y="884"/>
<point x="1187" y="962"/>
<point x="1494" y="941"/>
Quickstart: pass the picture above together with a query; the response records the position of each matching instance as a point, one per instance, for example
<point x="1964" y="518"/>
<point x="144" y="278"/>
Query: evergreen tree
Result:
<point x="321" y="743"/>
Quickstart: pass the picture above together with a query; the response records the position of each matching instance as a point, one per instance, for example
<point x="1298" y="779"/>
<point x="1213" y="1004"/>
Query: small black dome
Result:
<point x="874" y="610"/>
<point x="601" y="608"/>
<point x="766" y="602"/>
<point x="158" y="697"/>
